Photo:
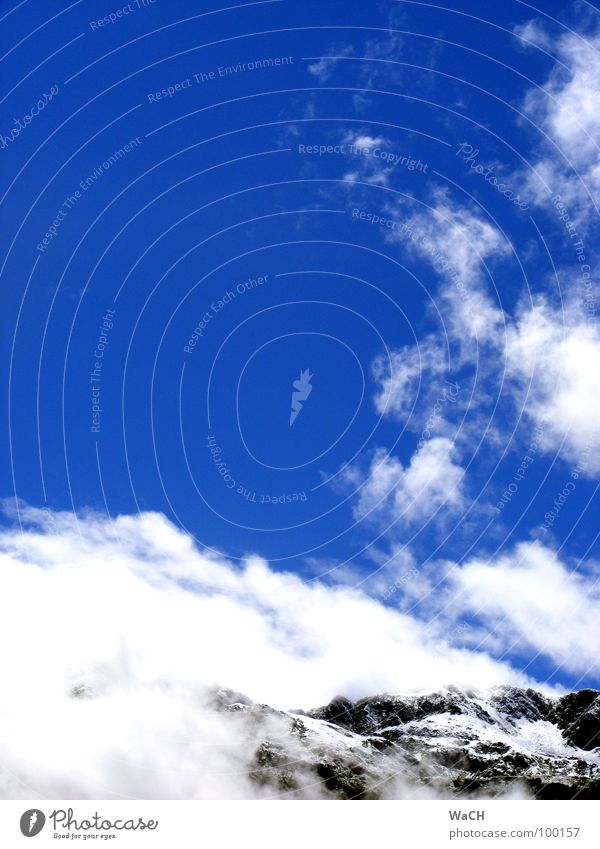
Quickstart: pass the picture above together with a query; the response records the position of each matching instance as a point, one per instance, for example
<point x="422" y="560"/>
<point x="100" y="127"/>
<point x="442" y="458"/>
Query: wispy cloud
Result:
<point x="553" y="359"/>
<point x="566" y="109"/>
<point x="400" y="374"/>
<point x="561" y="621"/>
<point x="324" y="67"/>
<point x="390" y="493"/>
<point x="550" y="356"/>
<point x="459" y="243"/>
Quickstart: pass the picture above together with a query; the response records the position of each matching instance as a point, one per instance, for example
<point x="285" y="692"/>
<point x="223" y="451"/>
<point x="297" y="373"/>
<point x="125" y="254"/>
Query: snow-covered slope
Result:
<point x="508" y="741"/>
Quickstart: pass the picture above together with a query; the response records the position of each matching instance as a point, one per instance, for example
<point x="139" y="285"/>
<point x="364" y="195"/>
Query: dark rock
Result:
<point x="454" y="743"/>
<point x="338" y="711"/>
<point x="561" y="791"/>
<point x="578" y="715"/>
<point x="273" y="767"/>
<point x="517" y="703"/>
<point x="344" y="780"/>
<point x="379" y="713"/>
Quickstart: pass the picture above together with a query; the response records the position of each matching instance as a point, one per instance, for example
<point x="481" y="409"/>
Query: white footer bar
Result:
<point x="300" y="824"/>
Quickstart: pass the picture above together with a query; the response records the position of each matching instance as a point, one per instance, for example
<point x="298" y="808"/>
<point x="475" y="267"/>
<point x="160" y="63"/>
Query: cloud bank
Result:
<point x="130" y="612"/>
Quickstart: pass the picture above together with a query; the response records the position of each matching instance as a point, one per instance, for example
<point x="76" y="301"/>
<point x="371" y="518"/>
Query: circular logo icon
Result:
<point x="32" y="822"/>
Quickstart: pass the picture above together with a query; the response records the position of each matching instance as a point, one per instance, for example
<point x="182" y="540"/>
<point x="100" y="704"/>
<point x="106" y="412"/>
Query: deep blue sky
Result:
<point x="214" y="196"/>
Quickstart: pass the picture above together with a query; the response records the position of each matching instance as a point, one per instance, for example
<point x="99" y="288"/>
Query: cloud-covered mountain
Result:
<point x="121" y="631"/>
<point x="509" y="742"/>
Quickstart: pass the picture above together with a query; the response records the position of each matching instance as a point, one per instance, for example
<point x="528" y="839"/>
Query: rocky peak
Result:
<point x="448" y="743"/>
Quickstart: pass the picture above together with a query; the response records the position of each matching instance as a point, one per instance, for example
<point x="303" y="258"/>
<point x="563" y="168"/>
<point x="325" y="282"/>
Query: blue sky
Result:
<point x="399" y="198"/>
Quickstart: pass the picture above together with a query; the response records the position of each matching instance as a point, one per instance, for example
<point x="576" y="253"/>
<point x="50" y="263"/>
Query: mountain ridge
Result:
<point x="509" y="741"/>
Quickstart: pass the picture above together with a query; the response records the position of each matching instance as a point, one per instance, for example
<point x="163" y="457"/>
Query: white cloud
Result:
<point x="555" y="360"/>
<point x="532" y="34"/>
<point x="533" y="601"/>
<point x="324" y="67"/>
<point x="459" y="243"/>
<point x="552" y="357"/>
<point x="390" y="492"/>
<point x="460" y="233"/>
<point x="134" y="611"/>
<point x="401" y="373"/>
<point x="364" y="151"/>
<point x="365" y="141"/>
<point x="567" y="110"/>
